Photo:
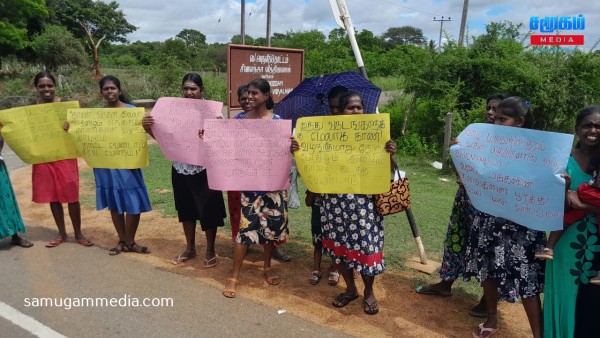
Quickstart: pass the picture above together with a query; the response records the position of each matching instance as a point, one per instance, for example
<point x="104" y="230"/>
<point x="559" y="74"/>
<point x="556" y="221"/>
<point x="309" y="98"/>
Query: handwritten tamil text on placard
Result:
<point x="248" y="154"/>
<point x="344" y="154"/>
<point x="514" y="173"/>
<point x="176" y="125"/>
<point x="36" y="134"/>
<point x="110" y="137"/>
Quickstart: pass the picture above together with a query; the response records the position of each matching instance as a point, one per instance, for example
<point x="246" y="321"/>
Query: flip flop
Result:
<point x="282" y="257"/>
<point x="55" y="242"/>
<point x="271" y="280"/>
<point x="370" y="309"/>
<point x="84" y="242"/>
<point x="343" y="299"/>
<point x="483" y="330"/>
<point x="426" y="290"/>
<point x="230" y="292"/>
<point x="180" y="258"/>
<point x="209" y="263"/>
<point x="22" y="242"/>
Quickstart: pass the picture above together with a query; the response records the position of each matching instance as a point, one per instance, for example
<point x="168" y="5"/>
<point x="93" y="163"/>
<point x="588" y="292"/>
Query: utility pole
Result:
<point x="463" y="23"/>
<point x="243" y="23"/>
<point x="441" y="25"/>
<point x="345" y="18"/>
<point x="269" y="23"/>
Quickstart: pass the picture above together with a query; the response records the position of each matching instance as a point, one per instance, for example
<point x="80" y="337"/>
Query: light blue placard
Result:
<point x="514" y="173"/>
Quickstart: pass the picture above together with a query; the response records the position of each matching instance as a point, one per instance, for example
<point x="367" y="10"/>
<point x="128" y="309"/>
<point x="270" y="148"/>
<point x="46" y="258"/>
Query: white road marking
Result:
<point x="27" y="323"/>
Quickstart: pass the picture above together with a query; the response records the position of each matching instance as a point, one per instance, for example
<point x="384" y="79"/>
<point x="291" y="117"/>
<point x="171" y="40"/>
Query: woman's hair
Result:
<point x="109" y="78"/>
<point x="336" y="91"/>
<point x="42" y="75"/>
<point x="264" y="86"/>
<point x="194" y="77"/>
<point x="345" y="97"/>
<point x="242" y="89"/>
<point x="516" y="107"/>
<point x="585" y="112"/>
<point x="496" y="96"/>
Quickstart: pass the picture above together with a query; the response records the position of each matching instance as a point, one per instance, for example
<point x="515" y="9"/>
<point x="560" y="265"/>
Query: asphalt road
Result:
<point x="71" y="272"/>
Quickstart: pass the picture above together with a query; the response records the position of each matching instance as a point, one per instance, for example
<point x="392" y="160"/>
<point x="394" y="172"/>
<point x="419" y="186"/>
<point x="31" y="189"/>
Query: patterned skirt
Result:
<point x="458" y="228"/>
<point x="500" y="249"/>
<point x="353" y="232"/>
<point x="264" y="218"/>
<point x="10" y="217"/>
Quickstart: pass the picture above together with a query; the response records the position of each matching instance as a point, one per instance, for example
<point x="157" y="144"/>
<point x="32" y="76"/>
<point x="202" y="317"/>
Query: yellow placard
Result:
<point x="35" y="133"/>
<point x="344" y="154"/>
<point x="110" y="137"/>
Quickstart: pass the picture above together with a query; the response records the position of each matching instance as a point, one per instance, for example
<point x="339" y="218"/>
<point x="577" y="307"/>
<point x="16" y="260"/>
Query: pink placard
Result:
<point x="249" y="155"/>
<point x="176" y="125"/>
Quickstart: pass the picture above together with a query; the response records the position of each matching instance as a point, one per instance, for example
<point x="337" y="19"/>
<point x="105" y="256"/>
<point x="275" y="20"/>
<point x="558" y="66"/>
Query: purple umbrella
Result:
<point x="309" y="98"/>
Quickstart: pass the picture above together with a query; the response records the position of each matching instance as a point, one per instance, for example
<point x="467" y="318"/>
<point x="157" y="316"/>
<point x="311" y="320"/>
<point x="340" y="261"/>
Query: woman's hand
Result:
<point x="390" y="147"/>
<point x="66" y="126"/>
<point x="295" y="146"/>
<point x="201" y="134"/>
<point x="453" y="142"/>
<point x="567" y="181"/>
<point x="147" y="122"/>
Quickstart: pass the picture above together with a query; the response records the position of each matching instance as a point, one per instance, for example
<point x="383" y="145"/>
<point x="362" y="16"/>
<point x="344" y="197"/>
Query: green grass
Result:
<point x="432" y="196"/>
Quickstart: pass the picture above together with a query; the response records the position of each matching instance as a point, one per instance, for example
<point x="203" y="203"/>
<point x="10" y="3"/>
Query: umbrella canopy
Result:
<point x="309" y="98"/>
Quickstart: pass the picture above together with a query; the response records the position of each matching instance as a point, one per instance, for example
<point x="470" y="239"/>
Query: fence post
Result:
<point x="447" y="136"/>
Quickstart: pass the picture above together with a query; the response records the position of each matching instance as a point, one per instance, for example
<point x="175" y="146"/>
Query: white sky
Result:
<point x="158" y="20"/>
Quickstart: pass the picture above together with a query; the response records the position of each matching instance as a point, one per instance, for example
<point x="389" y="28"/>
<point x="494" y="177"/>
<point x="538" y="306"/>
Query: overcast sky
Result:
<point x="219" y="20"/>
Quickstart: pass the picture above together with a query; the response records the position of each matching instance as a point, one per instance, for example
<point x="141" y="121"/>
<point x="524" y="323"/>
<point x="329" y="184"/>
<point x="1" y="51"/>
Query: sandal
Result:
<point x="431" y="290"/>
<point x="271" y="280"/>
<point x="84" y="242"/>
<point x="181" y="258"/>
<point x="315" y="277"/>
<point x="55" y="242"/>
<point x="483" y="330"/>
<point x="22" y="242"/>
<point x="230" y="292"/>
<point x="545" y="253"/>
<point x="134" y="248"/>
<point x="370" y="309"/>
<point x="334" y="278"/>
<point x="343" y="299"/>
<point x="282" y="256"/>
<point x="118" y="249"/>
<point x="211" y="262"/>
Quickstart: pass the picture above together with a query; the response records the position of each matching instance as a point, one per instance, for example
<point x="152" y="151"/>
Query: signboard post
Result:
<point x="282" y="67"/>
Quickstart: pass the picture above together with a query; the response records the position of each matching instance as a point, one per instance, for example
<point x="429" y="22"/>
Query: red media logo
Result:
<point x="556" y="40"/>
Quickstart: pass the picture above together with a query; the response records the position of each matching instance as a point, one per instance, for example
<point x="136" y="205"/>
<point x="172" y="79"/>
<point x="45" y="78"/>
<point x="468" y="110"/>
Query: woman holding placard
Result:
<point x="122" y="191"/>
<point x="500" y="253"/>
<point x="570" y="301"/>
<point x="194" y="200"/>
<point x="352" y="229"/>
<point x="263" y="218"/>
<point x="57" y="182"/>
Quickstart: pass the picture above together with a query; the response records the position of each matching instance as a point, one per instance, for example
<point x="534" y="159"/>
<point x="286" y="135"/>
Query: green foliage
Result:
<point x="56" y="46"/>
<point x="15" y="16"/>
<point x="405" y="35"/>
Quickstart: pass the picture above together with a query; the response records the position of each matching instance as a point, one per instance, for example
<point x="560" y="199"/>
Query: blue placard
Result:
<point x="514" y="173"/>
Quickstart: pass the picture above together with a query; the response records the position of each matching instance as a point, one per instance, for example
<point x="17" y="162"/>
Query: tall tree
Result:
<point x="405" y="35"/>
<point x="56" y="46"/>
<point x="94" y="21"/>
<point x="14" y="18"/>
<point x="192" y="38"/>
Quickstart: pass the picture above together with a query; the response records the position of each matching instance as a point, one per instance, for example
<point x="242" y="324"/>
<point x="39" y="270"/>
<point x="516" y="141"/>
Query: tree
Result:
<point x="14" y="18"/>
<point x="94" y="21"/>
<point x="405" y="35"/>
<point x="56" y="46"/>
<point x="237" y="39"/>
<point x="192" y="38"/>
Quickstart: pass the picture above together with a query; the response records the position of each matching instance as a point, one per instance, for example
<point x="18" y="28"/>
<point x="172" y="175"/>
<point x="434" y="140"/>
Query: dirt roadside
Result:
<point x="403" y="313"/>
